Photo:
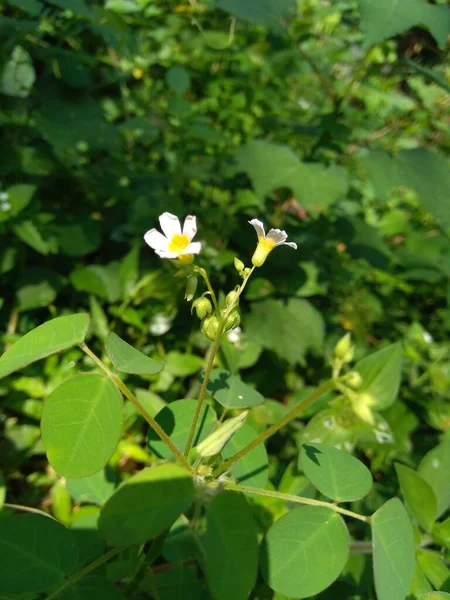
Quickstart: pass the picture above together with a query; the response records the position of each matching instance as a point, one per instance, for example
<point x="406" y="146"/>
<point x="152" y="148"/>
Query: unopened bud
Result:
<point x="232" y="298"/>
<point x="203" y="307"/>
<point x="247" y="271"/>
<point x="344" y="350"/>
<point x="353" y="380"/>
<point x="362" y="407"/>
<point x="210" y="327"/>
<point x="232" y="321"/>
<point x="191" y="286"/>
<point x="239" y="265"/>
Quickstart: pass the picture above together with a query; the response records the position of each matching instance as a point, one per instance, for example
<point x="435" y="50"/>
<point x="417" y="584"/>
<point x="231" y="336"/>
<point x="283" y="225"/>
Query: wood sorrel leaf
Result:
<point x="176" y="419"/>
<point x="381" y="373"/>
<point x="434" y="567"/>
<point x="38" y="546"/>
<point x="95" y="489"/>
<point x="335" y="473"/>
<point x="231" y="546"/>
<point x="55" y="335"/>
<point x="230" y="391"/>
<point x="129" y="360"/>
<point x="435" y="596"/>
<point x="393" y="551"/>
<point x="146" y="504"/>
<point x="305" y="551"/>
<point x="251" y="469"/>
<point x="92" y="588"/>
<point x="81" y="424"/>
<point x="418" y="495"/>
<point x="435" y="469"/>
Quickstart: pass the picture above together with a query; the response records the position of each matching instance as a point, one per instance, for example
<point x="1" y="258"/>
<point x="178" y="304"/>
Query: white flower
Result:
<point x="266" y="243"/>
<point x="174" y="243"/>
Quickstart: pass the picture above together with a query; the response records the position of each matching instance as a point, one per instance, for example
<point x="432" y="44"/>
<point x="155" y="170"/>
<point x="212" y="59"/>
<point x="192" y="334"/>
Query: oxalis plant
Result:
<point x="193" y="517"/>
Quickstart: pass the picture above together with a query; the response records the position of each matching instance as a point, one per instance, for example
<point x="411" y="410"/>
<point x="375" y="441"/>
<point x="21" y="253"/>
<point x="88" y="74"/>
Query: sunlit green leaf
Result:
<point x="128" y="359"/>
<point x="230" y="391"/>
<point x="53" y="336"/>
<point x="95" y="489"/>
<point x="381" y="372"/>
<point x="335" y="473"/>
<point x="305" y="551"/>
<point x="81" y="424"/>
<point x="252" y="469"/>
<point x="435" y="469"/>
<point x="418" y="495"/>
<point x="146" y="504"/>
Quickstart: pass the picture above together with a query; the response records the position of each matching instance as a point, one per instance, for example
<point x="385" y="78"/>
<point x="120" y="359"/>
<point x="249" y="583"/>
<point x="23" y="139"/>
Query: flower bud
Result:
<point x="203" y="307"/>
<point x="191" y="286"/>
<point x="247" y="271"/>
<point x="239" y="265"/>
<point x="344" y="350"/>
<point x="232" y="299"/>
<point x="210" y="327"/>
<point x="362" y="407"/>
<point x="353" y="380"/>
<point x="232" y="321"/>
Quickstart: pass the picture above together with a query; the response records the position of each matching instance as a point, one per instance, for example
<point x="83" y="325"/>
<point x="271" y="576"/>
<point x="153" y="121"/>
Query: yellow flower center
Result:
<point x="265" y="245"/>
<point x="178" y="243"/>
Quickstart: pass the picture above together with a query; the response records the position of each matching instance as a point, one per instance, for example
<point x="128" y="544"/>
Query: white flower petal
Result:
<point x="170" y="224"/>
<point x="190" y="226"/>
<point x="193" y="248"/>
<point x="290" y="244"/>
<point x="156" y="240"/>
<point x="259" y="227"/>
<point x="277" y="236"/>
<point x="166" y="254"/>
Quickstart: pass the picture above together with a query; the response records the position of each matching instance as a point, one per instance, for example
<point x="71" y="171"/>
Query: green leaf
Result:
<point x="146" y="504"/>
<point x="95" y="489"/>
<point x="99" y="320"/>
<point x="81" y="425"/>
<point x="176" y="419"/>
<point x="270" y="166"/>
<point x="231" y="546"/>
<point x="272" y="13"/>
<point x="290" y="330"/>
<point x="38" y="546"/>
<point x="252" y="469"/>
<point x="434" y="567"/>
<point x="102" y="281"/>
<point x="435" y="469"/>
<point x="129" y="360"/>
<point x="381" y="372"/>
<point x="305" y="551"/>
<point x="419" y="169"/>
<point x="418" y="495"/>
<point x="18" y="74"/>
<point x="230" y="391"/>
<point x="393" y="551"/>
<point x="381" y="19"/>
<point x="32" y="7"/>
<point x="79" y="239"/>
<point x="129" y="271"/>
<point x="55" y="335"/>
<point x="92" y="588"/>
<point x="178" y="80"/>
<point x="435" y="596"/>
<point x="17" y="197"/>
<point x="183" y="365"/>
<point x="30" y="235"/>
<point x="335" y="473"/>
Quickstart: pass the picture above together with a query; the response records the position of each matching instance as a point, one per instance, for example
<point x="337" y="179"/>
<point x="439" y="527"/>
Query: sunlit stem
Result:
<point x="212" y="355"/>
<point x="132" y="398"/>
<point x="72" y="579"/>
<point x="296" y="499"/>
<point x="289" y="416"/>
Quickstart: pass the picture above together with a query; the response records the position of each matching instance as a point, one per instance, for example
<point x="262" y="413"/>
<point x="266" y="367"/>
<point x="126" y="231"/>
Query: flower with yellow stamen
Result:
<point x="175" y="243"/>
<point x="266" y="243"/>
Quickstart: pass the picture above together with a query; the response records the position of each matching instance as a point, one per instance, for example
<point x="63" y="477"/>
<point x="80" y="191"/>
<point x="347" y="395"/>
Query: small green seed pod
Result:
<point x="344" y="350"/>
<point x="232" y="321"/>
<point x="239" y="265"/>
<point x="191" y="287"/>
<point x="232" y="299"/>
<point x="210" y="327"/>
<point x="203" y="307"/>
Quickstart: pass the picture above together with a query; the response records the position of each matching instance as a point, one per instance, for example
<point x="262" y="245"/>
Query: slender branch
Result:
<point x="204" y="274"/>
<point x="85" y="571"/>
<point x="289" y="416"/>
<point x="132" y="398"/>
<point x="297" y="499"/>
<point x="202" y="393"/>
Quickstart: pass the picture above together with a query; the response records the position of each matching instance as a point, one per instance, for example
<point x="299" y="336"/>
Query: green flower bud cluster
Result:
<point x="344" y="350"/>
<point x="202" y="306"/>
<point x="210" y="327"/>
<point x="232" y="320"/>
<point x="241" y="268"/>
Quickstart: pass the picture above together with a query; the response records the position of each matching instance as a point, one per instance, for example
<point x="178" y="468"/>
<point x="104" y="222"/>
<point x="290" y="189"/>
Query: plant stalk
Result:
<point x="289" y="416"/>
<point x="132" y="398"/>
<point x="297" y="499"/>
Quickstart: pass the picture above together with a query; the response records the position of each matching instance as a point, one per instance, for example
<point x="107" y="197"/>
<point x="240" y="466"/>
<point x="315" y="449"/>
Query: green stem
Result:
<point x="289" y="416"/>
<point x="132" y="398"/>
<point x="204" y="274"/>
<point x="85" y="571"/>
<point x="202" y="393"/>
<point x="297" y="499"/>
<point x="29" y="509"/>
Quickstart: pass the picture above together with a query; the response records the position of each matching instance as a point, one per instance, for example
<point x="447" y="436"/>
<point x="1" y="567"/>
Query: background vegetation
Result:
<point x="327" y="119"/>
